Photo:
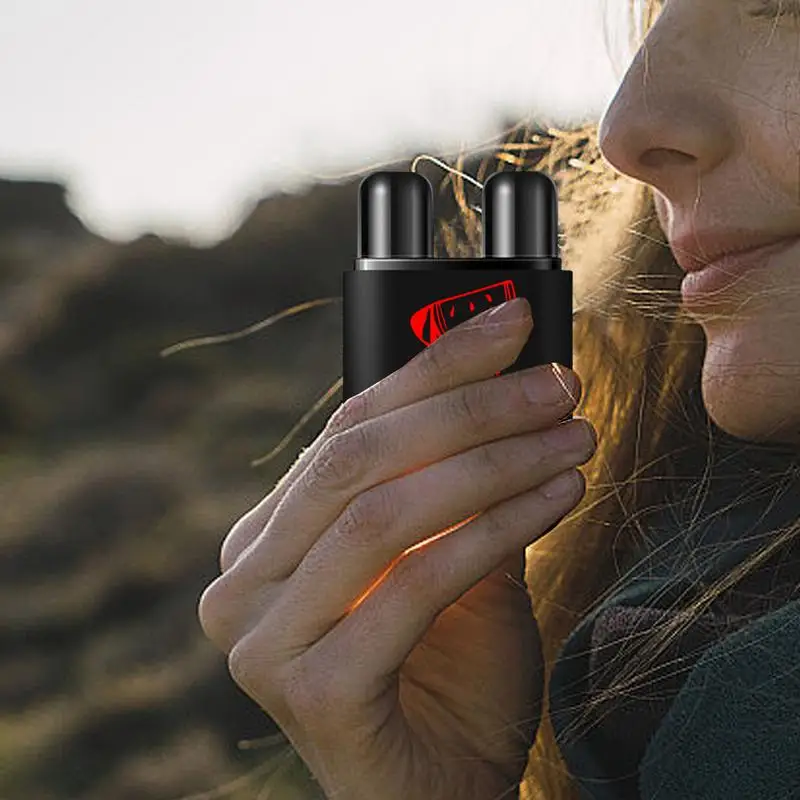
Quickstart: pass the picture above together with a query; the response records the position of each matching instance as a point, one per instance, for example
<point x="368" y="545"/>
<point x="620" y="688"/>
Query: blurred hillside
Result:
<point x="121" y="471"/>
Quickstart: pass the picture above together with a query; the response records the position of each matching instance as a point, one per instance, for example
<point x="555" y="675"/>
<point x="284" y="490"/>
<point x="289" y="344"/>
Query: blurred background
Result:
<point x="172" y="170"/>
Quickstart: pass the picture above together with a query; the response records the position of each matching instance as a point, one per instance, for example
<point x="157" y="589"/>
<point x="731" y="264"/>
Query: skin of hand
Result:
<point x="398" y="651"/>
<point x="708" y="114"/>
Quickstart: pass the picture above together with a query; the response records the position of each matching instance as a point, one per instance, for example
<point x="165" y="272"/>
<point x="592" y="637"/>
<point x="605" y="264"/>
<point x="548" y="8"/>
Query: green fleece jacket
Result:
<point x="717" y="715"/>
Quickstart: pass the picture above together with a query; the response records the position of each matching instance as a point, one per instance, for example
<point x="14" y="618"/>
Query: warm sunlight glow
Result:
<point x="352" y="607"/>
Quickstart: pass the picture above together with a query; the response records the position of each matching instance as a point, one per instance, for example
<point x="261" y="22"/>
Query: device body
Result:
<point x="399" y="299"/>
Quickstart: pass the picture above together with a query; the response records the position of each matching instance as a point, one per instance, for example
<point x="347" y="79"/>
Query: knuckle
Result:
<point x="488" y="463"/>
<point x="239" y="661"/>
<point x="339" y="460"/>
<point x="353" y="411"/>
<point x="225" y="610"/>
<point x="437" y="361"/>
<point x="233" y="544"/>
<point x="350" y="520"/>
<point x="229" y="610"/>
<point x="472" y="405"/>
<point x="228" y="554"/>
<point x="255" y="673"/>
<point x="365" y="514"/>
<point x="247" y="671"/>
<point x="211" y="611"/>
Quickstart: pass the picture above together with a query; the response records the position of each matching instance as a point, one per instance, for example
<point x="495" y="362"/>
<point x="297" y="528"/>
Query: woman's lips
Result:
<point x="704" y="282"/>
<point x="695" y="250"/>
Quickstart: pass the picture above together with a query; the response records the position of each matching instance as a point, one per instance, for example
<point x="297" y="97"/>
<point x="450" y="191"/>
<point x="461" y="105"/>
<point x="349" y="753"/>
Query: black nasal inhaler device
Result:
<point x="399" y="299"/>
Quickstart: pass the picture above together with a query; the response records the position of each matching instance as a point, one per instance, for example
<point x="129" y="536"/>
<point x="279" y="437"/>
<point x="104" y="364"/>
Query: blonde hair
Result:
<point x="640" y="358"/>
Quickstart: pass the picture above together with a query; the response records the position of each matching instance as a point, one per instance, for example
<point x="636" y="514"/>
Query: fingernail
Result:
<point x="517" y="308"/>
<point x="568" y="383"/>
<point x="564" y="484"/>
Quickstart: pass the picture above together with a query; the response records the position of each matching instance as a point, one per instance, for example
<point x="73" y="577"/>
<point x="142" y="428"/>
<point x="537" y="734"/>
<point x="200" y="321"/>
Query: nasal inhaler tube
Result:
<point x="399" y="299"/>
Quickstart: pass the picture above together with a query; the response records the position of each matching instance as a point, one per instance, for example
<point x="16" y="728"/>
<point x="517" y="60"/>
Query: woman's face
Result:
<point x="709" y="115"/>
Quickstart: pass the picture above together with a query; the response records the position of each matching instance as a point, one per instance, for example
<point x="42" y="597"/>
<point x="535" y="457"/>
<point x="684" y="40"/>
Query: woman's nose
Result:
<point x="666" y="124"/>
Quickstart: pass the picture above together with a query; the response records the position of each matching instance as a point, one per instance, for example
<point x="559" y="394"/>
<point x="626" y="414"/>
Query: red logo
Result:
<point x="432" y="320"/>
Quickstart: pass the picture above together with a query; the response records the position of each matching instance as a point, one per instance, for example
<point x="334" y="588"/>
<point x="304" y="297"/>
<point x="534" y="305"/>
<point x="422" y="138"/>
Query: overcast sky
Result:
<point x="173" y="115"/>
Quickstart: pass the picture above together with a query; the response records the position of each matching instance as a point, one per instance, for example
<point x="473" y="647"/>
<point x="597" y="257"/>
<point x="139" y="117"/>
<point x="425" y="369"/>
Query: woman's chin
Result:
<point x="750" y="387"/>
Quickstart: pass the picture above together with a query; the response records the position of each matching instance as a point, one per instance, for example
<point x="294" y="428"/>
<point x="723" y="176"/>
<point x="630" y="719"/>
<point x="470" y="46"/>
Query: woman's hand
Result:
<point x="398" y="670"/>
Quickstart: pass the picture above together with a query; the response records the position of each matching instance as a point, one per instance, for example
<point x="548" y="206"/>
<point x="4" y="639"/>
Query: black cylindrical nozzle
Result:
<point x="520" y="215"/>
<point x="394" y="216"/>
<point x="400" y="299"/>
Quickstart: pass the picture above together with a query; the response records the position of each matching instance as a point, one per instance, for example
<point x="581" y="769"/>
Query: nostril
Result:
<point x="663" y="156"/>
